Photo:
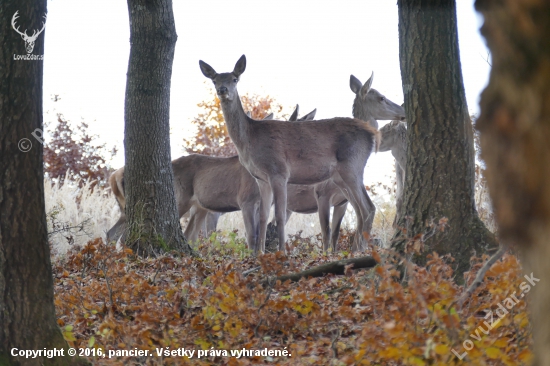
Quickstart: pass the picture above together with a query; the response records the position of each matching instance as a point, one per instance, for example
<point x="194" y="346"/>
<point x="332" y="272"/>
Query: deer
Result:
<point x="207" y="186"/>
<point x="370" y="105"/>
<point x="393" y="138"/>
<point x="29" y="40"/>
<point x="277" y="153"/>
<point x="202" y="221"/>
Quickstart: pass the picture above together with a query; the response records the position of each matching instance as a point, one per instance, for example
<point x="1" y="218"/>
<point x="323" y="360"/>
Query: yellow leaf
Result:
<point x="215" y="328"/>
<point x="441" y="349"/>
<point x="493" y="352"/>
<point x="501" y="343"/>
<point x="417" y="361"/>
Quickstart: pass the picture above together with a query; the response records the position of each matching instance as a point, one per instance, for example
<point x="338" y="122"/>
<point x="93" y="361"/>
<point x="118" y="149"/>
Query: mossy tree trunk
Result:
<point x="440" y="165"/>
<point x="514" y="130"/>
<point x="27" y="312"/>
<point x="151" y="211"/>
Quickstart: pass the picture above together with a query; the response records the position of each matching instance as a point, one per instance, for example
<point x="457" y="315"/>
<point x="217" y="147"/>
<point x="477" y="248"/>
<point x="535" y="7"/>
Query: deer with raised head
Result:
<point x="202" y="221"/>
<point x="370" y="105"/>
<point x="207" y="186"/>
<point x="277" y="153"/>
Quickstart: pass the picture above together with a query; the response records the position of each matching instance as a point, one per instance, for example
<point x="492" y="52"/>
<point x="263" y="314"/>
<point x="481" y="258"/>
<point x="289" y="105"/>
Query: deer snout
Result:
<point x="222" y="90"/>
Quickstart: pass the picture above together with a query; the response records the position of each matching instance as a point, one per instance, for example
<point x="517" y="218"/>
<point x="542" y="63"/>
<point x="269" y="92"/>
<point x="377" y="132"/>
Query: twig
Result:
<point x="480" y="275"/>
<point x="333" y="344"/>
<point x="249" y="271"/>
<point x="260" y="308"/>
<point x="337" y="267"/>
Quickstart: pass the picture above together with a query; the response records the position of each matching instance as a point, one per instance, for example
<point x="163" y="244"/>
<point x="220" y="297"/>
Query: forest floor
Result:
<point x="216" y="309"/>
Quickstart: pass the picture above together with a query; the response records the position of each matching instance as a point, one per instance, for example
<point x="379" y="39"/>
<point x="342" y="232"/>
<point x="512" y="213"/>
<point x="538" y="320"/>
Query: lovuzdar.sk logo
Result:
<point x="29" y="40"/>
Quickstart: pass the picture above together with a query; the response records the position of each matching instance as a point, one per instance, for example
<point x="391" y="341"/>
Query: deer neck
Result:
<point x="363" y="115"/>
<point x="237" y="123"/>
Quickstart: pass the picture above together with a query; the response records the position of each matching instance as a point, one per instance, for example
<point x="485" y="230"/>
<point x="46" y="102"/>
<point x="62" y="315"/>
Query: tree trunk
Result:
<point x="27" y="312"/>
<point x="440" y="166"/>
<point x="515" y="132"/>
<point x="153" y="220"/>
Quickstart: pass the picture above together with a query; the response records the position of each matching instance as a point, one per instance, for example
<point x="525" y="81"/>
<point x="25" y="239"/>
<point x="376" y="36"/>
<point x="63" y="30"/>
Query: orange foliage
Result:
<point x="113" y="300"/>
<point x="211" y="137"/>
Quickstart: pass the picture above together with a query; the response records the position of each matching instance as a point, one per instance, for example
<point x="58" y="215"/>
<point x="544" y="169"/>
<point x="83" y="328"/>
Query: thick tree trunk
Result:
<point x="440" y="166"/>
<point x="153" y="224"/>
<point x="27" y="313"/>
<point x="515" y="133"/>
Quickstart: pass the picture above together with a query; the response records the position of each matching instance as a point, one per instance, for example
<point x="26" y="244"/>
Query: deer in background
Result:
<point x="278" y="153"/>
<point x="394" y="139"/>
<point x="370" y="105"/>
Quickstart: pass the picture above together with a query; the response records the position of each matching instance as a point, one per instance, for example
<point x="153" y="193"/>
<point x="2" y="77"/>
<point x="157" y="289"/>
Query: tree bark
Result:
<point x="440" y="166"/>
<point x="27" y="312"/>
<point x="514" y="130"/>
<point x="153" y="220"/>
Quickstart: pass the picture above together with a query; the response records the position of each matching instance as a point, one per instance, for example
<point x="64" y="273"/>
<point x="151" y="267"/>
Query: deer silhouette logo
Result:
<point x="29" y="40"/>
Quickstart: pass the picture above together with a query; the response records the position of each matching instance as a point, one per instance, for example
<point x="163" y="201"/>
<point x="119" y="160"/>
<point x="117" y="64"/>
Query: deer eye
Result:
<point x="235" y="80"/>
<point x="382" y="99"/>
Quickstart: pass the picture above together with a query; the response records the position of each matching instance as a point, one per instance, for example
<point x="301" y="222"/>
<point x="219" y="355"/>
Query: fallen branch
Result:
<point x="336" y="268"/>
<point x="480" y="275"/>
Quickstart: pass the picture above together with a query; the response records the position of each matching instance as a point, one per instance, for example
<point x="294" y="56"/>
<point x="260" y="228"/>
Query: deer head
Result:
<point x="29" y="40"/>
<point x="226" y="83"/>
<point x="370" y="105"/>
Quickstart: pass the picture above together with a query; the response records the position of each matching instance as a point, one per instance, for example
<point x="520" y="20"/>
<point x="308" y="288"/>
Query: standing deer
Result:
<point x="202" y="221"/>
<point x="204" y="184"/>
<point x="370" y="105"/>
<point x="277" y="153"/>
<point x="393" y="138"/>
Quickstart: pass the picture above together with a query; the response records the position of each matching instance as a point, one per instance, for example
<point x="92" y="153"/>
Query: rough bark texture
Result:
<point x="151" y="205"/>
<point x="27" y="313"/>
<point x="515" y="132"/>
<point x="440" y="168"/>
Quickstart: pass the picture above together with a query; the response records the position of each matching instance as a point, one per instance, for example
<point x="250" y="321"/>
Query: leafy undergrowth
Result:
<point x="108" y="300"/>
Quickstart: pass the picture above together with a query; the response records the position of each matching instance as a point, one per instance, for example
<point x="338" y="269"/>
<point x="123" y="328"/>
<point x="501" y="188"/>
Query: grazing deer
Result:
<point x="393" y="136"/>
<point x="277" y="153"/>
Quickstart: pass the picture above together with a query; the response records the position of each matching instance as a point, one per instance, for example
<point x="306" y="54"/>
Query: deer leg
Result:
<point x="266" y="197"/>
<point x="250" y="218"/>
<point x="400" y="179"/>
<point x="197" y="224"/>
<point x="212" y="221"/>
<point x="278" y="186"/>
<point x="117" y="230"/>
<point x="337" y="217"/>
<point x="323" y="208"/>
<point x="364" y="208"/>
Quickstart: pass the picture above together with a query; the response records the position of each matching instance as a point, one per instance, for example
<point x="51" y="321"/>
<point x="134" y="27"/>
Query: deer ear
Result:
<point x="268" y="117"/>
<point x="240" y="66"/>
<point x="294" y="115"/>
<point x="248" y="114"/>
<point x="354" y="84"/>
<point x="207" y="70"/>
<point x="365" y="89"/>
<point x="310" y="116"/>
